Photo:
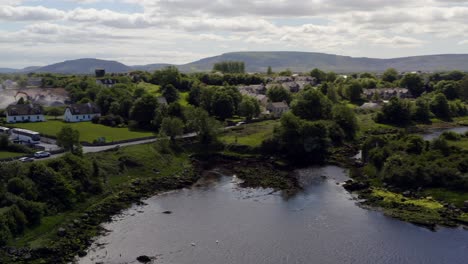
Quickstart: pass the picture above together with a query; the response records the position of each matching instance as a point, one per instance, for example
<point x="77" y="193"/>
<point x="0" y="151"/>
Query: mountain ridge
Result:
<point x="258" y="61"/>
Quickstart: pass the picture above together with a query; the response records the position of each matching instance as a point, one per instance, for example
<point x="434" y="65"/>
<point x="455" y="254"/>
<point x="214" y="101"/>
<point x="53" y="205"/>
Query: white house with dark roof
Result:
<point x="24" y="113"/>
<point x="81" y="112"/>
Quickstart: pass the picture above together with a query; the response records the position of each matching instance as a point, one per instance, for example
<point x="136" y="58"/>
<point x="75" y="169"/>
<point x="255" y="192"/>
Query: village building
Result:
<point x="81" y="112"/>
<point x="24" y="113"/>
<point x="162" y="100"/>
<point x="387" y="93"/>
<point x="277" y="109"/>
<point x="106" y="82"/>
<point x="253" y="89"/>
<point x="34" y="82"/>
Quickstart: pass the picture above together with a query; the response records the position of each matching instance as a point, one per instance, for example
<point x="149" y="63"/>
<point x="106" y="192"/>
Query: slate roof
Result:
<point x="84" y="109"/>
<point x="24" y="109"/>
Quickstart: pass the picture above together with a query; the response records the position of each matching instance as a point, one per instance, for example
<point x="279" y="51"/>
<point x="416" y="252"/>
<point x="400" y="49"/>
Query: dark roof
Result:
<point x="84" y="109"/>
<point x="24" y="109"/>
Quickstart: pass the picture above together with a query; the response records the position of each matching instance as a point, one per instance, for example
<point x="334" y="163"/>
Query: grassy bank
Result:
<point x="88" y="131"/>
<point x="131" y="174"/>
<point x="251" y="134"/>
<point x="7" y="154"/>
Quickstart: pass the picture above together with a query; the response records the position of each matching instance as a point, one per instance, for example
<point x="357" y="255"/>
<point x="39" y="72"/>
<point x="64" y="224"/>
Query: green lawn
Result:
<point x="151" y="88"/>
<point x="250" y="134"/>
<point x="88" y="131"/>
<point x="7" y="154"/>
<point x="366" y="122"/>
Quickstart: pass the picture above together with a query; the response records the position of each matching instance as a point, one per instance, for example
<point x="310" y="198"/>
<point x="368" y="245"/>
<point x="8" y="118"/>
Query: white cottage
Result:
<point x="24" y="113"/>
<point x="81" y="112"/>
<point x="278" y="108"/>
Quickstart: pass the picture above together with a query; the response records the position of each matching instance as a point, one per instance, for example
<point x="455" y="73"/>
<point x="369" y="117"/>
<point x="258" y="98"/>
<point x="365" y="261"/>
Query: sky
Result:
<point x="138" y="32"/>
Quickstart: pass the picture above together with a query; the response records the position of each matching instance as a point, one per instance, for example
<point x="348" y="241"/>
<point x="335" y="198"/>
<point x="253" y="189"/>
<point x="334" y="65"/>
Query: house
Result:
<point x="262" y="99"/>
<point x="34" y="81"/>
<point x="252" y="89"/>
<point x="81" y="112"/>
<point x="162" y="100"/>
<point x="387" y="93"/>
<point x="106" y="82"/>
<point x="293" y="87"/>
<point x="277" y="109"/>
<point x="24" y="113"/>
<point x="9" y="84"/>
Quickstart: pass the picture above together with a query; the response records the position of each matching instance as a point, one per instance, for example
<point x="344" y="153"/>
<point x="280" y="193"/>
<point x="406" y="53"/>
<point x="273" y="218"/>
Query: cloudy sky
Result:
<point x="135" y="32"/>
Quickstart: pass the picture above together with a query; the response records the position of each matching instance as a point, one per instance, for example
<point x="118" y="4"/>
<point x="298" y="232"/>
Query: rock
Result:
<point x="406" y="193"/>
<point x="452" y="207"/>
<point x="61" y="232"/>
<point x="144" y="259"/>
<point x="353" y="186"/>
<point x="167" y="212"/>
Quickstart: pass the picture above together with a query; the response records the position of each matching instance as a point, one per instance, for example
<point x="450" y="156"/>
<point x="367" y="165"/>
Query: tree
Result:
<point x="390" y="75"/>
<point x="21" y="101"/>
<point x="346" y="119"/>
<point x="414" y="83"/>
<point x="353" y="90"/>
<point x="143" y="111"/>
<point x="332" y="95"/>
<point x="68" y="138"/>
<point x="166" y="76"/>
<point x="162" y="111"/>
<point x="319" y="75"/>
<point x="422" y="112"/>
<point x="194" y="95"/>
<point x="55" y="111"/>
<point x="206" y="127"/>
<point x="278" y="94"/>
<point x="312" y="105"/>
<point x="451" y="89"/>
<point x="249" y="107"/>
<point x="463" y="85"/>
<point x="440" y="106"/>
<point x="396" y="112"/>
<point x="172" y="127"/>
<point x="229" y="67"/>
<point x="170" y="92"/>
<point x="269" y="71"/>
<point x="222" y="105"/>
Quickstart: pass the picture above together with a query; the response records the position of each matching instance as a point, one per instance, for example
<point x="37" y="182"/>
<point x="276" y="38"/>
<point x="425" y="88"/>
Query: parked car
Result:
<point x="26" y="159"/>
<point x="41" y="154"/>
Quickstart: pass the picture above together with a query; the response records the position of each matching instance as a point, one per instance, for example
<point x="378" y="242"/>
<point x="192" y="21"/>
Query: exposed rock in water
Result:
<point x="144" y="259"/>
<point x="353" y="186"/>
<point x="167" y="212"/>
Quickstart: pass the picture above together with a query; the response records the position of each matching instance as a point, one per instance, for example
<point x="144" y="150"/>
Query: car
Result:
<point x="41" y="154"/>
<point x="26" y="159"/>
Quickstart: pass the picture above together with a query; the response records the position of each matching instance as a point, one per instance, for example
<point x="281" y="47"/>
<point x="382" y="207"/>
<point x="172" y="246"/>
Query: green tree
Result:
<point x="354" y="90"/>
<point x="206" y="127"/>
<point x="172" y="127"/>
<point x="463" y="86"/>
<point x="166" y="76"/>
<point x="21" y="101"/>
<point x="170" y="92"/>
<point x="396" y="112"/>
<point x="312" y="105"/>
<point x="68" y="138"/>
<point x="346" y="119"/>
<point x="414" y="83"/>
<point x="319" y="75"/>
<point x="278" y="94"/>
<point x="390" y="75"/>
<point x="269" y="71"/>
<point x="451" y="89"/>
<point x="440" y="106"/>
<point x="143" y="111"/>
<point x="422" y="112"/>
<point x="249" y="107"/>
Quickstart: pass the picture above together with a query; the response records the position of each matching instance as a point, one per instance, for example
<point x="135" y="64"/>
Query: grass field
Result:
<point x="366" y="122"/>
<point x="7" y="154"/>
<point x="250" y="134"/>
<point x="88" y="131"/>
<point x="156" y="91"/>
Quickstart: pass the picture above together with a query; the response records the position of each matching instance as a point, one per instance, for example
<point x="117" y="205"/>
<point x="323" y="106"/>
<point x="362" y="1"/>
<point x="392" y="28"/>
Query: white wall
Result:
<point x="68" y="117"/>
<point x="28" y="118"/>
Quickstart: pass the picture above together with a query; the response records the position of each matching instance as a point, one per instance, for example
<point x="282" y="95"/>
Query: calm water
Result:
<point x="320" y="225"/>
<point x="435" y="133"/>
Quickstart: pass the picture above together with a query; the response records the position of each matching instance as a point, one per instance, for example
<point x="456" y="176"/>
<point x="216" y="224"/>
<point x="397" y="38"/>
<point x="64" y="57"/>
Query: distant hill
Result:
<point x="8" y="70"/>
<point x="85" y="66"/>
<point x="305" y="61"/>
<point x="278" y="60"/>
